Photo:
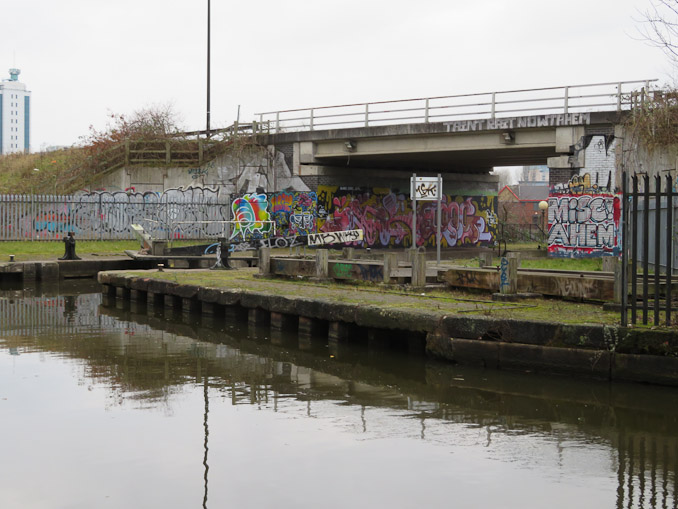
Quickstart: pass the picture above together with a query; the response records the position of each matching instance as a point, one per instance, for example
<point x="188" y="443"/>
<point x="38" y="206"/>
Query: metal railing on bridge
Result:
<point x="615" y="96"/>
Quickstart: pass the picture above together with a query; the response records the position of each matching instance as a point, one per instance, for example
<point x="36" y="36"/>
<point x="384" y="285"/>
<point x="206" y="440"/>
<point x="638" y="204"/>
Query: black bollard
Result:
<point x="69" y="244"/>
<point x="223" y="252"/>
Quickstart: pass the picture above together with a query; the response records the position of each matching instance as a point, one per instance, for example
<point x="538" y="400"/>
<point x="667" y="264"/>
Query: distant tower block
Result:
<point x="15" y="114"/>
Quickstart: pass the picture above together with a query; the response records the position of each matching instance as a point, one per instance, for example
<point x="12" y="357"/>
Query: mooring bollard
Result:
<point x="69" y="245"/>
<point x="223" y="252"/>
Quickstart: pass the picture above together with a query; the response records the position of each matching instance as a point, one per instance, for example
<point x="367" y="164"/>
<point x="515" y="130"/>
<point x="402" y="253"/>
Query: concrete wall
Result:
<point x="252" y="168"/>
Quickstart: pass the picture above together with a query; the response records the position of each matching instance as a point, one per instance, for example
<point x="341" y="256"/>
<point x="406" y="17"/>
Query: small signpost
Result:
<point x="426" y="189"/>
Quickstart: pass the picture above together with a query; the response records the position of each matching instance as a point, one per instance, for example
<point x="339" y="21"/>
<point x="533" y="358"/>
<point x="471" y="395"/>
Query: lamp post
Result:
<point x="208" y="68"/>
<point x="543" y="206"/>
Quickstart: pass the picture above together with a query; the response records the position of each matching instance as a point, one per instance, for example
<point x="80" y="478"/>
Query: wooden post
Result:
<point x="508" y="275"/>
<point x="265" y="261"/>
<point x="485" y="259"/>
<point x="419" y="269"/>
<point x="348" y="253"/>
<point x="168" y="153"/>
<point x="610" y="263"/>
<point x="390" y="263"/>
<point x="322" y="263"/>
<point x="618" y="284"/>
<point x="516" y="256"/>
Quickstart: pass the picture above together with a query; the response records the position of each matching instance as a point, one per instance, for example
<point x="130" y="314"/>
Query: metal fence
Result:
<point x="615" y="96"/>
<point x="648" y="247"/>
<point x="102" y="216"/>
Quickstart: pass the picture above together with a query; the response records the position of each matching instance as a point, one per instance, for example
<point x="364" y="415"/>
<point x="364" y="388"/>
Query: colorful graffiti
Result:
<point x="584" y="225"/>
<point x="293" y="213"/>
<point x="582" y="184"/>
<point x="252" y="216"/>
<point x="386" y="217"/>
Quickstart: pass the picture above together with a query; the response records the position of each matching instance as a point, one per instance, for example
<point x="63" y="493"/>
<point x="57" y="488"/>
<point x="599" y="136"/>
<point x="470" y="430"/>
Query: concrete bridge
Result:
<point x="464" y="136"/>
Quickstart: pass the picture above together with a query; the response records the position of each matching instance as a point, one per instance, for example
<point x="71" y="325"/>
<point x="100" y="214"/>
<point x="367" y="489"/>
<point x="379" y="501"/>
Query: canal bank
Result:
<point x="53" y="270"/>
<point x="533" y="335"/>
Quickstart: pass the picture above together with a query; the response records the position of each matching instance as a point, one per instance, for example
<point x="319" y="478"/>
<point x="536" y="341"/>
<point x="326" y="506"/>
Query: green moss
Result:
<point x="438" y="301"/>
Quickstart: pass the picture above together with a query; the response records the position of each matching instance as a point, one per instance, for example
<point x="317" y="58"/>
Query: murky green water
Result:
<point x="100" y="407"/>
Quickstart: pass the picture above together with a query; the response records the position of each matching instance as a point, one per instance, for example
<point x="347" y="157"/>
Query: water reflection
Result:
<point x="625" y="432"/>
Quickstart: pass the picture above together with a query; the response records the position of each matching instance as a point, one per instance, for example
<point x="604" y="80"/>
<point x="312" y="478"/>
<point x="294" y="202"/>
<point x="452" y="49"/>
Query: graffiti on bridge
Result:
<point x="582" y="184"/>
<point x="385" y="217"/>
<point x="584" y="225"/>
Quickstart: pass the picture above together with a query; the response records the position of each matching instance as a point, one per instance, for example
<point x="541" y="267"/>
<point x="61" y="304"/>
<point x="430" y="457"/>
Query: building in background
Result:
<point x="519" y="213"/>
<point x="15" y="114"/>
<point x="535" y="174"/>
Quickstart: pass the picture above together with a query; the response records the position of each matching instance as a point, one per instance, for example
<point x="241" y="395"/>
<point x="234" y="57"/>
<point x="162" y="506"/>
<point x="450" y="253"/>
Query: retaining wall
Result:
<point x="608" y="352"/>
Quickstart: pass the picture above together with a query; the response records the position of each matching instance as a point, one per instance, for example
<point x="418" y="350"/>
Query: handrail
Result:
<point x="572" y="98"/>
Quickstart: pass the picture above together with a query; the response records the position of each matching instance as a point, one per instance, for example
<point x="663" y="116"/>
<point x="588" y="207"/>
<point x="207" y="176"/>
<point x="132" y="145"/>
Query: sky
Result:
<point x="85" y="59"/>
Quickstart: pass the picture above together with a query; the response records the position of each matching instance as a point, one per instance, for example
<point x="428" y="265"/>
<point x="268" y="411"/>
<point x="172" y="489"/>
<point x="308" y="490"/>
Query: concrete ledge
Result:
<point x="593" y="350"/>
<point x="645" y="368"/>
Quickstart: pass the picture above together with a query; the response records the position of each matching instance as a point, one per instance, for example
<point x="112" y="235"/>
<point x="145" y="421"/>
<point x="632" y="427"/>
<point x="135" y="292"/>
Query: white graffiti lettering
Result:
<point x="338" y="237"/>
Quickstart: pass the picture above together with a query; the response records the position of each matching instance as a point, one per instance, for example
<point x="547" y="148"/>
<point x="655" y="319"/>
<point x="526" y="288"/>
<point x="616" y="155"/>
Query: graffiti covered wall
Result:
<point x="176" y="213"/>
<point x="584" y="225"/>
<point x="386" y="217"/>
<point x="584" y="212"/>
<point x="293" y="213"/>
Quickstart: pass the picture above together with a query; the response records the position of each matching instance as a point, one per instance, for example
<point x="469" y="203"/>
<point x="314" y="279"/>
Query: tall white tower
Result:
<point x="15" y="114"/>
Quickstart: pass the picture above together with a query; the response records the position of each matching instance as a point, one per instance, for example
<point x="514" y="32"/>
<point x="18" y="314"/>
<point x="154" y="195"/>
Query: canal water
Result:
<point x="101" y="407"/>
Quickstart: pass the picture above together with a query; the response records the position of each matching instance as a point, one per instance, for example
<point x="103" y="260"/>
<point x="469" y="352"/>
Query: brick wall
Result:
<point x="561" y="175"/>
<point x="599" y="163"/>
<point x="288" y="151"/>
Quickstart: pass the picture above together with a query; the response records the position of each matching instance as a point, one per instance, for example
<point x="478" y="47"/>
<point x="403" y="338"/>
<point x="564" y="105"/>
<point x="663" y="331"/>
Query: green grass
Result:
<point x="577" y="264"/>
<point x="40" y="250"/>
<point x="580" y="264"/>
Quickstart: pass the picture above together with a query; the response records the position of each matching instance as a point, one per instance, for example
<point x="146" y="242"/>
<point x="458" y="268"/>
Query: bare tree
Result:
<point x="659" y="27"/>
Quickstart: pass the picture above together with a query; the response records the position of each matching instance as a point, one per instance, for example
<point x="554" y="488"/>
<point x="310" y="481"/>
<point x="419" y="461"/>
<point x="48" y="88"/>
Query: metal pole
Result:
<point x="208" y="65"/>
<point x="625" y="254"/>
<point x="669" y="245"/>
<point x="634" y="251"/>
<point x="657" y="244"/>
<point x="646" y="245"/>
<point x="440" y="199"/>
<point x="413" y="195"/>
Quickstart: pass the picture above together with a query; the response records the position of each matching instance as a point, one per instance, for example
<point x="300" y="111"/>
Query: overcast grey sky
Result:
<point x="84" y="58"/>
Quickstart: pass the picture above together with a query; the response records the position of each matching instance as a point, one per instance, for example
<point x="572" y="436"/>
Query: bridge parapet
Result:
<point x="564" y="100"/>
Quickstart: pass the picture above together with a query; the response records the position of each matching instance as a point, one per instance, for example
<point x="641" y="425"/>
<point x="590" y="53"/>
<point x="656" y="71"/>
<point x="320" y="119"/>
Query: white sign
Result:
<point x="340" y="237"/>
<point x="426" y="188"/>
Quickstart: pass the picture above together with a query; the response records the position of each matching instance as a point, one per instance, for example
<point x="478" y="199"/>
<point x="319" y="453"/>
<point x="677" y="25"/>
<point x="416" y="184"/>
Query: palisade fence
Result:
<point x="649" y="248"/>
<point x="103" y="216"/>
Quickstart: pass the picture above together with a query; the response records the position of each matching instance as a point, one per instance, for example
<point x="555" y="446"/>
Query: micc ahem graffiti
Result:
<point x="584" y="225"/>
